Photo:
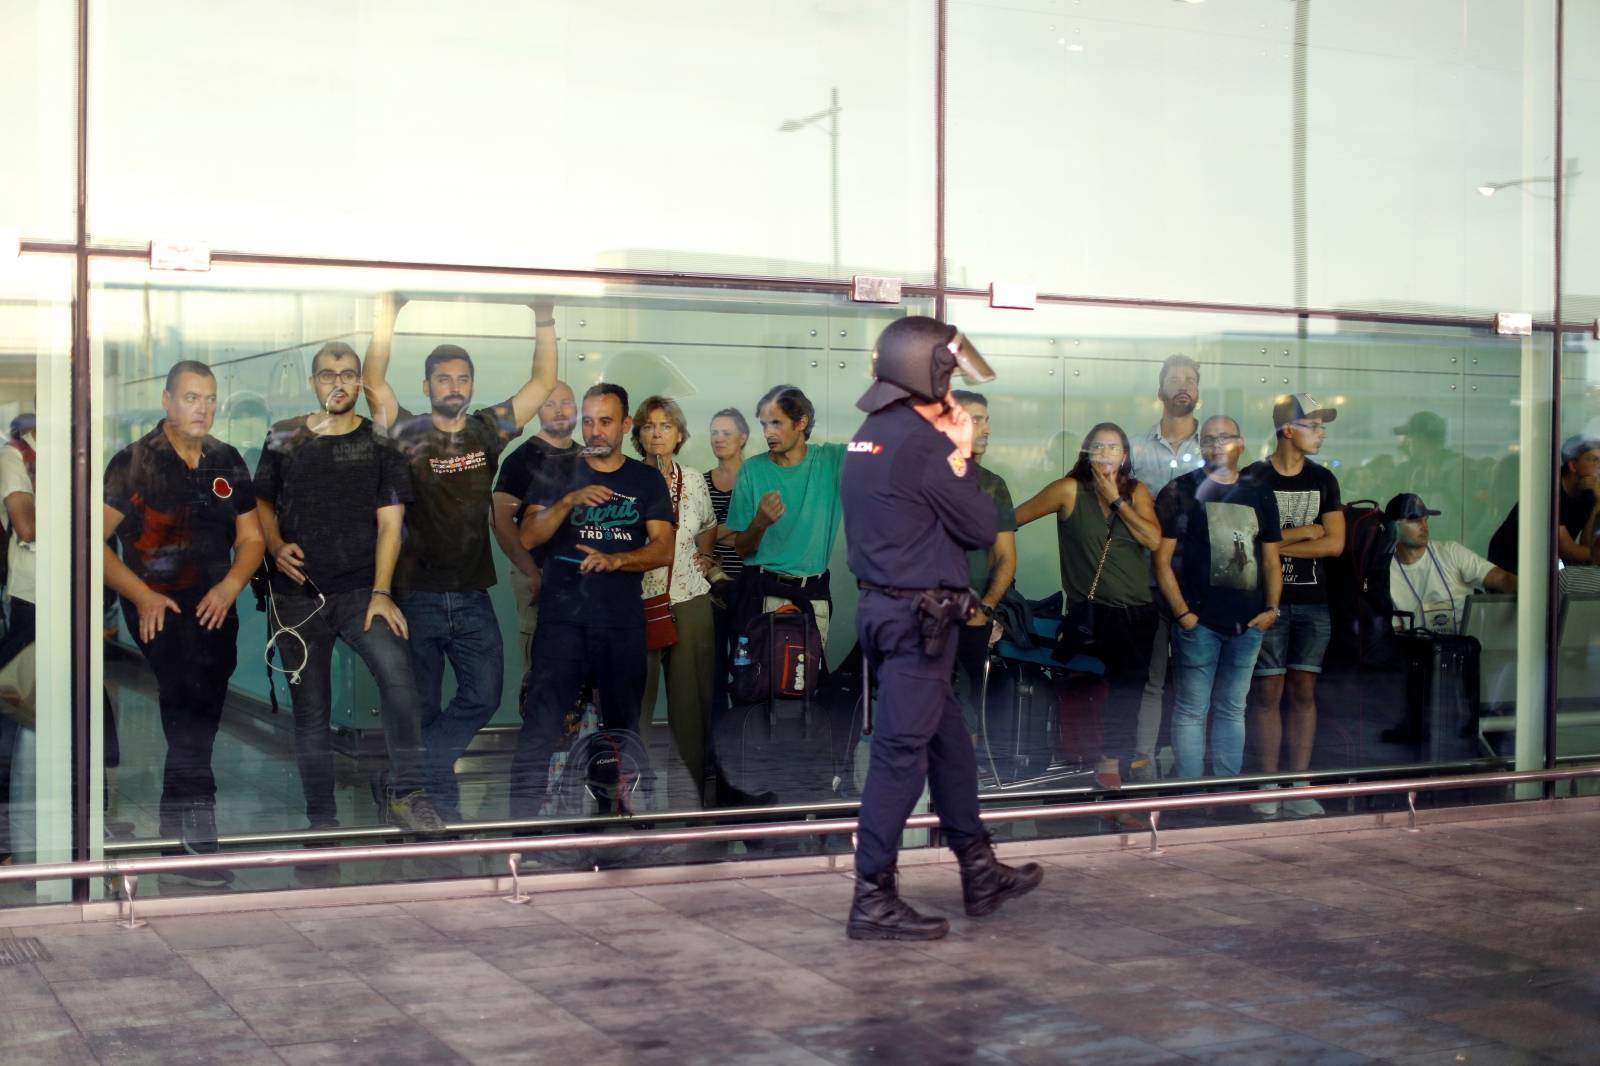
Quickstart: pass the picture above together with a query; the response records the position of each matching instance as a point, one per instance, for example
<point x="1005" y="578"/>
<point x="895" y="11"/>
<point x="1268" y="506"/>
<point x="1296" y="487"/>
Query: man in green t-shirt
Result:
<point x="785" y="511"/>
<point x="992" y="568"/>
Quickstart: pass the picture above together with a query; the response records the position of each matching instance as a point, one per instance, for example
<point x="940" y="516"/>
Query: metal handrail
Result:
<point x="724" y="814"/>
<point x="130" y="869"/>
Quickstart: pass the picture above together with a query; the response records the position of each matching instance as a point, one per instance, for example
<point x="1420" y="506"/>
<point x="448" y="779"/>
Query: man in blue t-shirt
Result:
<point x="601" y="527"/>
<point x="1219" y="571"/>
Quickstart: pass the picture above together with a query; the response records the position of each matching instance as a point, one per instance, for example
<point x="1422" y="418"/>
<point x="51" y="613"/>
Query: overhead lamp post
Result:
<point x="831" y="113"/>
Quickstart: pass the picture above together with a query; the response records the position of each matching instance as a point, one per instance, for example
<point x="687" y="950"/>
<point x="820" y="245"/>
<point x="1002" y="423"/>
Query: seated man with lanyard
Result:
<point x="1432" y="580"/>
<point x="785" y="512"/>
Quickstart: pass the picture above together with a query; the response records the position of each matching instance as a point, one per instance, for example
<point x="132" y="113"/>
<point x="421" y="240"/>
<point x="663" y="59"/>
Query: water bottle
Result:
<point x="741" y="655"/>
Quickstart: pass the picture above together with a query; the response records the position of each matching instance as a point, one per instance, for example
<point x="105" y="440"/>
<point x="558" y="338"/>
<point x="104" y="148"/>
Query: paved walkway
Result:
<point x="1474" y="942"/>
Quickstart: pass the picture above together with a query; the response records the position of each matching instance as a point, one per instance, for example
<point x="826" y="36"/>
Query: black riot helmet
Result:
<point x="914" y="359"/>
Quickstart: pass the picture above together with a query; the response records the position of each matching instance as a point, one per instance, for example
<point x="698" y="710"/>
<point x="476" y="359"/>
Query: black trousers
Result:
<point x="343" y="617"/>
<point x="192" y="667"/>
<point x="564" y="657"/>
<point x="918" y="735"/>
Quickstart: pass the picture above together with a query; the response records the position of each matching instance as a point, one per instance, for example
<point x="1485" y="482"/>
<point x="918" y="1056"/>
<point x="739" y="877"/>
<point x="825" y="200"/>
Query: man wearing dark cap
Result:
<point x="1431" y="580"/>
<point x="912" y="510"/>
<point x="1575" y="511"/>
<point x="445" y="571"/>
<point x="1430" y="469"/>
<point x="1292" y="650"/>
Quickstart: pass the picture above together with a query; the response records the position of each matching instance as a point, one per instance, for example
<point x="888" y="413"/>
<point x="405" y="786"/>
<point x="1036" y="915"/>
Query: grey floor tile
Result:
<point x="180" y="998"/>
<point x="1276" y="1050"/>
<point x="399" y="927"/>
<point x="298" y="1014"/>
<point x="452" y="916"/>
<point x="232" y="970"/>
<point x="225" y="930"/>
<point x="396" y="1046"/>
<point x="23" y="987"/>
<point x="225" y="1044"/>
<point x="119" y="953"/>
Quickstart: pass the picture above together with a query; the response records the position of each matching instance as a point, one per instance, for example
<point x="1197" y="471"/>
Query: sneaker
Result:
<point x="1269" y="810"/>
<point x="1142" y="770"/>
<point x="198" y="830"/>
<point x="415" y="811"/>
<point x="1303" y="808"/>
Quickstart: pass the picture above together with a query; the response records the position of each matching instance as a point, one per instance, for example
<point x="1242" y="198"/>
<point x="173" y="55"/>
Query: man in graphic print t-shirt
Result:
<point x="1291" y="651"/>
<point x="445" y="571"/>
<point x="601" y="529"/>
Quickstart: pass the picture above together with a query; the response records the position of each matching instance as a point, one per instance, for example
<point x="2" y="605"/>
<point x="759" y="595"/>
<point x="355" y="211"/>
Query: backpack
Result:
<point x="779" y="656"/>
<point x="1358" y="586"/>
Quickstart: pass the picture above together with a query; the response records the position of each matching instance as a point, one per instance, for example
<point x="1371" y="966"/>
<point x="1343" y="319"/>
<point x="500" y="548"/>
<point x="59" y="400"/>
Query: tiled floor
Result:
<point x="1472" y="942"/>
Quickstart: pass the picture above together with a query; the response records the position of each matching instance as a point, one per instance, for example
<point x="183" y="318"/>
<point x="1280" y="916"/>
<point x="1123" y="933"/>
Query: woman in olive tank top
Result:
<point x="1103" y="513"/>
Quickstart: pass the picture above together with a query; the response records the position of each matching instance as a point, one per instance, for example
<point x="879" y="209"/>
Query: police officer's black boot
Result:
<point x="986" y="882"/>
<point x="878" y="913"/>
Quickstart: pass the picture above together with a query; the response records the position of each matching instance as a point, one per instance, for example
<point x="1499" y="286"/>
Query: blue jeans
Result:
<point x="1211" y="672"/>
<point x="459" y="627"/>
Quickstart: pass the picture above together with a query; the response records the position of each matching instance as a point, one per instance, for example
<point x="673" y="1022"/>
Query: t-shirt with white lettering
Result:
<point x="446" y="546"/>
<point x="1434" y="589"/>
<point x="598" y="598"/>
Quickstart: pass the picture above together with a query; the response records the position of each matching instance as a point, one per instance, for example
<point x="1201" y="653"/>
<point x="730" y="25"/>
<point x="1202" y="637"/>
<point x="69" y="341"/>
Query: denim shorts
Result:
<point x="1297" y="640"/>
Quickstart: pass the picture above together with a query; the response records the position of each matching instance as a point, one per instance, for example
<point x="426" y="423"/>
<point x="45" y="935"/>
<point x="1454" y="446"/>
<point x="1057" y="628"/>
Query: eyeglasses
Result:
<point x="343" y="377"/>
<point x="1099" y="447"/>
<point x="1221" y="438"/>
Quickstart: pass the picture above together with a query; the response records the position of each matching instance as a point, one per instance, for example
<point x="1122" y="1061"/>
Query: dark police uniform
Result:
<point x="177" y="534"/>
<point x="912" y="510"/>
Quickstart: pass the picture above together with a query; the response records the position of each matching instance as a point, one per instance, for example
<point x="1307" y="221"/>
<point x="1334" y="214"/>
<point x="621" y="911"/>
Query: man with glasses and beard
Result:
<point x="602" y="528"/>
<point x="331" y="581"/>
<point x="1169" y="450"/>
<point x="445" y="571"/>
<point x="1219" y="570"/>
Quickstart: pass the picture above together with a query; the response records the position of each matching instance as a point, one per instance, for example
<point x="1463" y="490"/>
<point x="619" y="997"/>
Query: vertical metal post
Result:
<point x="130" y="889"/>
<point x="1155" y="834"/>
<point x="1553" y="589"/>
<point x="833" y="172"/>
<point x="1411" y="813"/>
<point x="84" y="598"/>
<point x="517" y="895"/>
<point x="941" y="19"/>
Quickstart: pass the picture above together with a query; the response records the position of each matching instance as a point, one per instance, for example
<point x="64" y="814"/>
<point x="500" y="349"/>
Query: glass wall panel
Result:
<point x="1148" y="149"/>
<point x="1431" y="412"/>
<point x="1580" y="112"/>
<point x="1578" y="644"/>
<point x="35" y="513"/>
<point x="558" y="133"/>
<point x="259" y="332"/>
<point x="38" y="117"/>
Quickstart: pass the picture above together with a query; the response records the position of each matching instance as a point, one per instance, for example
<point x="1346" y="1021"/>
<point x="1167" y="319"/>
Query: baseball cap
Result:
<point x="1406" y="506"/>
<point x="1573" y="447"/>
<point x="1301" y="406"/>
<point x="1423" y="424"/>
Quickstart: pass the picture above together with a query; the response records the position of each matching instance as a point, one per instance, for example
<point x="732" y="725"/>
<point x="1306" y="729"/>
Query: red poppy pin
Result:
<point x="221" y="487"/>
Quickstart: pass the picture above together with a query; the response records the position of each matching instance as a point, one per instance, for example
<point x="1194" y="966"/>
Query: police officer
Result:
<point x="912" y="509"/>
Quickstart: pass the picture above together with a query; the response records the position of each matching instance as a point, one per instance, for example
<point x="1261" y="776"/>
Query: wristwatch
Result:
<point x="1277" y="612"/>
<point x="1119" y="503"/>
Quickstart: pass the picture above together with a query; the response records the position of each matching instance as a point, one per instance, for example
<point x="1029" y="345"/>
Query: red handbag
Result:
<point x="660" y="627"/>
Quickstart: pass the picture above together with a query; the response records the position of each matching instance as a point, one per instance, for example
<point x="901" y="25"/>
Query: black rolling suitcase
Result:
<point x="1441" y="694"/>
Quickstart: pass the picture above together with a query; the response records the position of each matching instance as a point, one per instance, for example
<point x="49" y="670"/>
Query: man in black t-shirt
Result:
<point x="547" y="453"/>
<point x="445" y="570"/>
<point x="601" y="530"/>
<point x="332" y="579"/>
<point x="180" y="505"/>
<point x="1292" y="649"/>
<point x="1219" y="572"/>
<point x="1576" y="510"/>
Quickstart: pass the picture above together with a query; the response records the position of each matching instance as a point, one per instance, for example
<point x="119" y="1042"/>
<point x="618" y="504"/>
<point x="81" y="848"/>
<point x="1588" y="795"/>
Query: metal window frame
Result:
<point x="84" y="599"/>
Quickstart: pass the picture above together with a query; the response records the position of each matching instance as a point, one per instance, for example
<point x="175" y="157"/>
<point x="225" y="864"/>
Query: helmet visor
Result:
<point x="972" y="366"/>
